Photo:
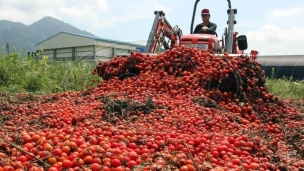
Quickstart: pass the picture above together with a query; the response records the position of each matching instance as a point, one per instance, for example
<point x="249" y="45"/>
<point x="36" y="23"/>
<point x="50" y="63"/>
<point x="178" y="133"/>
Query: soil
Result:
<point x="125" y="109"/>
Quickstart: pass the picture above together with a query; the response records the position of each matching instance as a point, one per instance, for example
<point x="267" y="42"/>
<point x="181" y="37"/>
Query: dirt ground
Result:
<point x="295" y="103"/>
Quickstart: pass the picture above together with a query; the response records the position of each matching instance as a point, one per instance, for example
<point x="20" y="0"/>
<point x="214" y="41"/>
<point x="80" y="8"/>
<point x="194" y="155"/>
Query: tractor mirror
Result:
<point x="242" y="42"/>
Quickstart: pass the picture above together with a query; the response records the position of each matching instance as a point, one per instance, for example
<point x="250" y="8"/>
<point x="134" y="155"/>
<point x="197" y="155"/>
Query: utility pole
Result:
<point x="7" y="48"/>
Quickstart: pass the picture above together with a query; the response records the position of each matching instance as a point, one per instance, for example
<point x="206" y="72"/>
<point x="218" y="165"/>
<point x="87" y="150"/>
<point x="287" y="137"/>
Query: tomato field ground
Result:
<point x="183" y="109"/>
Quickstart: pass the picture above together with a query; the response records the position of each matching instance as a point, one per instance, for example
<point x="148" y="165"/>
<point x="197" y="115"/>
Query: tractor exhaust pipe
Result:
<point x="229" y="4"/>
<point x="231" y="22"/>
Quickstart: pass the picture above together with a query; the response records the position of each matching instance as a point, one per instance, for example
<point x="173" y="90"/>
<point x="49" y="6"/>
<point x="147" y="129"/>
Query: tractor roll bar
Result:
<point x="193" y="16"/>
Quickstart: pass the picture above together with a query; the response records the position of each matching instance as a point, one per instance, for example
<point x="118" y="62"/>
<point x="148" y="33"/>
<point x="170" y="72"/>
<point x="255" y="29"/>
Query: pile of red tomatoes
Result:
<point x="210" y="114"/>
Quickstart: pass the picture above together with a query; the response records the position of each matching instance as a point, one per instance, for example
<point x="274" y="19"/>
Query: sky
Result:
<point x="272" y="27"/>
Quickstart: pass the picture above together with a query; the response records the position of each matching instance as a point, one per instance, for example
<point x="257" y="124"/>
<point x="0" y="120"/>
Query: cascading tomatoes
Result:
<point x="185" y="108"/>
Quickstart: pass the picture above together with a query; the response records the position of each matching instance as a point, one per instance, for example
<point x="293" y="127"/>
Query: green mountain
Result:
<point x="18" y="35"/>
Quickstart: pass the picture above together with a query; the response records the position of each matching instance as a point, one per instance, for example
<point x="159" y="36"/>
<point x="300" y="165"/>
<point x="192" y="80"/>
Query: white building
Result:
<point x="69" y="46"/>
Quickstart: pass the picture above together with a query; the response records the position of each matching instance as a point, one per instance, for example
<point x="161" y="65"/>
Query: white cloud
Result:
<point x="84" y="10"/>
<point x="29" y="11"/>
<point x="278" y="13"/>
<point x="146" y="11"/>
<point x="85" y="13"/>
<point x="274" y="40"/>
<point x="139" y="42"/>
<point x="89" y="15"/>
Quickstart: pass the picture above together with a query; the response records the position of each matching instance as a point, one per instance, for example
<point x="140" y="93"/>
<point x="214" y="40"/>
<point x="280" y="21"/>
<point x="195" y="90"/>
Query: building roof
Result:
<point x="281" y="60"/>
<point x="97" y="39"/>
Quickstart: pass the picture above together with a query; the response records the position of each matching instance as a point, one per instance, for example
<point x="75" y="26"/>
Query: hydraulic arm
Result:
<point x="162" y="29"/>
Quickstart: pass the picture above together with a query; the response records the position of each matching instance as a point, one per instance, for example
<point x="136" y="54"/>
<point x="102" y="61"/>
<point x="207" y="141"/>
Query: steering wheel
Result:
<point x="207" y="31"/>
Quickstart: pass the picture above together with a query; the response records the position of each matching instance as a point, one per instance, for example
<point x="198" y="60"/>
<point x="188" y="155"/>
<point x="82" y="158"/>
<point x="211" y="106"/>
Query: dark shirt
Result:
<point x="211" y="26"/>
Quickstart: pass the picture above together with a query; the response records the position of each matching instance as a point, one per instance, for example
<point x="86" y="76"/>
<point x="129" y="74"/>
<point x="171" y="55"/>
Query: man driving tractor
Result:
<point x="207" y="26"/>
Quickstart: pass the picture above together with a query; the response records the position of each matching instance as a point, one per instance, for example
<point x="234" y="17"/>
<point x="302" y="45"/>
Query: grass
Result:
<point x="19" y="74"/>
<point x="285" y="87"/>
<point x="24" y="74"/>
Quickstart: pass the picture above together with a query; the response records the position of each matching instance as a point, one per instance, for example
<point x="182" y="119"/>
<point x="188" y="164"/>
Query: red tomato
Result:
<point x="52" y="160"/>
<point x="97" y="160"/>
<point x="184" y="168"/>
<point x="95" y="167"/>
<point x="57" y="152"/>
<point x="8" y="168"/>
<point x="88" y="160"/>
<point x="236" y="161"/>
<point x="132" y="145"/>
<point x="78" y="162"/>
<point x="66" y="149"/>
<point x="27" y="138"/>
<point x="52" y="169"/>
<point x="131" y="163"/>
<point x="253" y="166"/>
<point x="67" y="163"/>
<point x="115" y="162"/>
<point x="22" y="158"/>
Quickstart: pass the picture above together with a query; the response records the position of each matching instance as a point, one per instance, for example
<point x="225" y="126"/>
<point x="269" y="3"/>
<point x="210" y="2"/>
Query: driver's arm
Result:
<point x="197" y="29"/>
<point x="213" y="27"/>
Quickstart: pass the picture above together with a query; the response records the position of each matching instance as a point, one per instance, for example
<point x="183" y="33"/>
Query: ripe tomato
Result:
<point x="115" y="162"/>
<point x="131" y="163"/>
<point x="22" y="158"/>
<point x="72" y="145"/>
<point x="161" y="162"/>
<point x="8" y="168"/>
<point x="97" y="160"/>
<point x="57" y="152"/>
<point x="66" y="149"/>
<point x="48" y="147"/>
<point x="132" y="145"/>
<point x="253" y="166"/>
<point x="120" y="168"/>
<point x="72" y="156"/>
<point x="250" y="144"/>
<point x="52" y="160"/>
<point x="67" y="164"/>
<point x="191" y="167"/>
<point x="27" y="138"/>
<point x="215" y="154"/>
<point x="52" y="169"/>
<point x="29" y="145"/>
<point x="78" y="162"/>
<point x="17" y="169"/>
<point x="184" y="168"/>
<point x="171" y="148"/>
<point x="236" y="161"/>
<point x="88" y="160"/>
<point x="35" y="138"/>
<point x="95" y="167"/>
<point x="105" y="168"/>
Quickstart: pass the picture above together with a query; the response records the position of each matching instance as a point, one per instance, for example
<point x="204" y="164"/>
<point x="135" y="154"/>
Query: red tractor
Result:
<point x="229" y="43"/>
<point x="161" y="30"/>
